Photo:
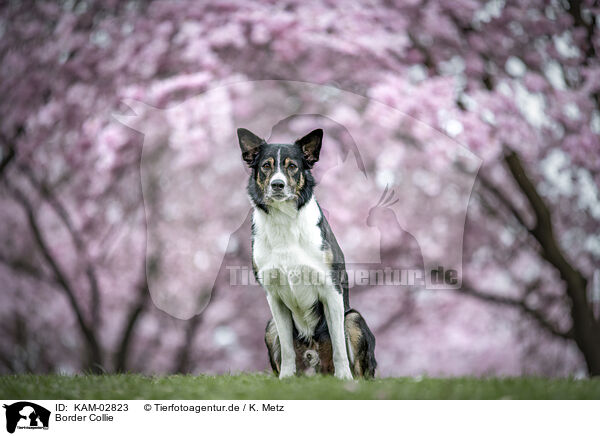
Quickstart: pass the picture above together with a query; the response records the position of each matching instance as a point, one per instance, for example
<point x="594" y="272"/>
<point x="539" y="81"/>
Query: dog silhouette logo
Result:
<point x="26" y="415"/>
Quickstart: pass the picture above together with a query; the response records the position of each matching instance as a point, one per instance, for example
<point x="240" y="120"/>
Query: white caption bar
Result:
<point x="299" y="417"/>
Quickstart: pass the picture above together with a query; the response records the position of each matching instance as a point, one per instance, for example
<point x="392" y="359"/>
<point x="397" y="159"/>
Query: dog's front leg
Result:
<point x="283" y="321"/>
<point x="334" y="314"/>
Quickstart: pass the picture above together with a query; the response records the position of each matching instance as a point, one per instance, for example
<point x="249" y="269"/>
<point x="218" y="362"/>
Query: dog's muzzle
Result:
<point x="278" y="189"/>
<point x="277" y="186"/>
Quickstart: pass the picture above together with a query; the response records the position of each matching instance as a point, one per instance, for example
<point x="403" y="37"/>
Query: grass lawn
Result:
<point x="263" y="386"/>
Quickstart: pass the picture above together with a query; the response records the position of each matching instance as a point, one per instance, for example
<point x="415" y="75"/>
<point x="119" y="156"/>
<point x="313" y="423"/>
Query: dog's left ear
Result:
<point x="311" y="146"/>
<point x="250" y="145"/>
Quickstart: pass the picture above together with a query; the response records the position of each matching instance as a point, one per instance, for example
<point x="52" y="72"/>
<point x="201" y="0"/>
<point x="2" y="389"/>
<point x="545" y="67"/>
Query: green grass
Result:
<point x="263" y="386"/>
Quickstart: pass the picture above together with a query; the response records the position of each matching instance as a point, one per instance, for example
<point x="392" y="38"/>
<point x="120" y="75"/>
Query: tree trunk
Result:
<point x="586" y="329"/>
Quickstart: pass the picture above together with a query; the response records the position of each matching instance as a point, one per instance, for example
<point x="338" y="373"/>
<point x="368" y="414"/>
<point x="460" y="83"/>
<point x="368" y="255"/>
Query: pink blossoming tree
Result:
<point x="517" y="83"/>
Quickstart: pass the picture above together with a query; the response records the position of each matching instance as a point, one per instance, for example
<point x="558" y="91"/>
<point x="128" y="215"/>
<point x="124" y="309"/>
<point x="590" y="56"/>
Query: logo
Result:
<point x="197" y="212"/>
<point x="26" y="415"/>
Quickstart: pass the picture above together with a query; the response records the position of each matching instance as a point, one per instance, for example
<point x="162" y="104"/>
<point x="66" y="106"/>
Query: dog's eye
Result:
<point x="292" y="166"/>
<point x="266" y="165"/>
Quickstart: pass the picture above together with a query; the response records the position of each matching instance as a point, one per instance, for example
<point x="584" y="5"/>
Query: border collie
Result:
<point x="297" y="260"/>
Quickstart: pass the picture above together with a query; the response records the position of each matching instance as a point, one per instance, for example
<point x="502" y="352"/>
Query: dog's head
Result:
<point x="280" y="172"/>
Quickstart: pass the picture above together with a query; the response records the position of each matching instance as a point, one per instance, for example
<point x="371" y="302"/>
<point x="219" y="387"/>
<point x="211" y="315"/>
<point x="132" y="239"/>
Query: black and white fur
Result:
<point x="313" y="328"/>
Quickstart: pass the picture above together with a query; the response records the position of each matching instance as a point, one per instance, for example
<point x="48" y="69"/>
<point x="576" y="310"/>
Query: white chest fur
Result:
<point x="291" y="266"/>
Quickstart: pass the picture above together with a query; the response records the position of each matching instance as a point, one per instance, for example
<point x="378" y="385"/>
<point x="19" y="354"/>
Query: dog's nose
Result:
<point x="277" y="185"/>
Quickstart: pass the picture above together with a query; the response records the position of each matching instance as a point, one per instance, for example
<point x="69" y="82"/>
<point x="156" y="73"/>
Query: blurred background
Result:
<point x="119" y="164"/>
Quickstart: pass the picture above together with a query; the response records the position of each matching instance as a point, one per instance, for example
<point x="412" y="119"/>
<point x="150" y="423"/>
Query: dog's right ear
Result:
<point x="250" y="145"/>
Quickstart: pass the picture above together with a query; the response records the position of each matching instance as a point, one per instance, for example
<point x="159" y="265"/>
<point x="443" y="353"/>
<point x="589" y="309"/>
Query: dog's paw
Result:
<point x="286" y="372"/>
<point x="344" y="374"/>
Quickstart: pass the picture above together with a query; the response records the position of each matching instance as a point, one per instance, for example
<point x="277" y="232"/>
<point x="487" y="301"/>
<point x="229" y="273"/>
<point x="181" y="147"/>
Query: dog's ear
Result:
<point x="311" y="146"/>
<point x="250" y="145"/>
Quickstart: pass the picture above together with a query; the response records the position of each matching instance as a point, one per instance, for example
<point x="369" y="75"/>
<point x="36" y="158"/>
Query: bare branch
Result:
<point x="585" y="327"/>
<point x="542" y="230"/>
<point x="95" y="355"/>
<point x="182" y="361"/>
<point x="21" y="267"/>
<point x="131" y="319"/>
<point x="537" y="316"/>
<point x="574" y="9"/>
<point x="402" y="314"/>
<point x="503" y="199"/>
<point x="8" y="151"/>
<point x="8" y="154"/>
<point x="63" y="214"/>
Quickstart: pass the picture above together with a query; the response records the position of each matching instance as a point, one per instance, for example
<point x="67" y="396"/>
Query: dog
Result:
<point x="298" y="262"/>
